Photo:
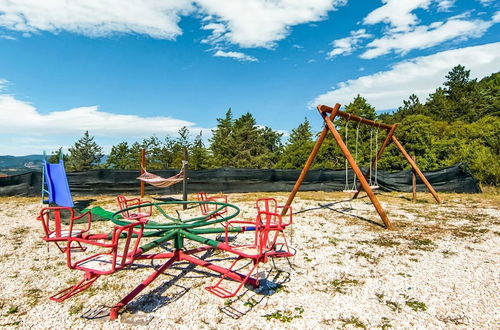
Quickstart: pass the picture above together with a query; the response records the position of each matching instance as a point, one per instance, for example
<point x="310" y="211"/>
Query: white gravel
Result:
<point x="438" y="269"/>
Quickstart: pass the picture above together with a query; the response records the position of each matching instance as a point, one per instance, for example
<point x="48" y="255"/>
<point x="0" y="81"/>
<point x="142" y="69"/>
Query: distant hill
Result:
<point x="26" y="163"/>
<point x="30" y="162"/>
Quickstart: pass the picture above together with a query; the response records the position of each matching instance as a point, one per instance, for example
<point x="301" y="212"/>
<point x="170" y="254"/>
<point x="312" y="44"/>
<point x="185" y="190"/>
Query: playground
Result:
<point x="438" y="268"/>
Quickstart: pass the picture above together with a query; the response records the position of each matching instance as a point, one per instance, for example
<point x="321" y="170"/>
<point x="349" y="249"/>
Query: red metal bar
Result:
<point x="113" y="313"/>
<point x="230" y="274"/>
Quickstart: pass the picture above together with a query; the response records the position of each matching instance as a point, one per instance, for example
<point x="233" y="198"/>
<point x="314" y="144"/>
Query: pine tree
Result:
<point x="198" y="158"/>
<point x="298" y="148"/>
<point x="220" y="142"/>
<point x="85" y="154"/>
<point x="119" y="157"/>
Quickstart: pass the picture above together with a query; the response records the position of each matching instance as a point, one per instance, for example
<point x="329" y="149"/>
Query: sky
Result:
<point x="127" y="70"/>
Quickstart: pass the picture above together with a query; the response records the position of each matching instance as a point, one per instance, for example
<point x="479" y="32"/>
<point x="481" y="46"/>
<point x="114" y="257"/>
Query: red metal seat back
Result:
<point x="124" y="203"/>
<point x="125" y="248"/>
<point x="269" y="206"/>
<point x="202" y="197"/>
<point x="266" y="230"/>
<point x="53" y="226"/>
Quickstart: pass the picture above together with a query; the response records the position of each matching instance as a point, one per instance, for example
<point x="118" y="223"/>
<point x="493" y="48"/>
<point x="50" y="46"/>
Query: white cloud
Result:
<point x="420" y="76"/>
<point x="426" y="36"/>
<point x="157" y="19"/>
<point x="347" y="45"/>
<point x="397" y="13"/>
<point x="21" y="121"/>
<point x="19" y="116"/>
<point x="486" y="2"/>
<point x="260" y="23"/>
<point x="445" y="5"/>
<point x="496" y="17"/>
<point x="236" y="55"/>
<point x="247" y="23"/>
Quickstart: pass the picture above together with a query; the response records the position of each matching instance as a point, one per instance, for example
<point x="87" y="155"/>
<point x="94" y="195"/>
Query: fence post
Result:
<point x="414" y="181"/>
<point x="184" y="177"/>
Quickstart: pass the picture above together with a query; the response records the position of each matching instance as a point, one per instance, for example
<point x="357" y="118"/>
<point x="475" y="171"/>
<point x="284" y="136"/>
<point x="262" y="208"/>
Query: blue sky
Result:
<point x="127" y="70"/>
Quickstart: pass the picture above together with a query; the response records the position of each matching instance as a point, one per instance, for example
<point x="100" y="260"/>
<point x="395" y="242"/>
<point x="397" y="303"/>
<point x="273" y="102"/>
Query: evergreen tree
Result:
<point x="220" y="142"/>
<point x="120" y="157"/>
<point x="199" y="157"/>
<point x="85" y="154"/>
<point x="180" y="146"/>
<point x="56" y="155"/>
<point x="246" y="143"/>
<point x="298" y="148"/>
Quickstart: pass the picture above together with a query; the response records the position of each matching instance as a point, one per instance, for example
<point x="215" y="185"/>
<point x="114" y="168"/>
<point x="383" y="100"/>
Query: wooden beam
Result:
<point x="356" y="169"/>
<point x="349" y="116"/>
<point x="417" y="170"/>
<point x="309" y="161"/>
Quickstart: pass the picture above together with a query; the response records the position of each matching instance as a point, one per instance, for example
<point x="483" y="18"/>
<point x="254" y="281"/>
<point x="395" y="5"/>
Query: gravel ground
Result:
<point x="438" y="269"/>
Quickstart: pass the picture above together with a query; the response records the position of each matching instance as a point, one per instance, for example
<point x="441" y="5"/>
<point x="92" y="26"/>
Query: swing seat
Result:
<point x="349" y="191"/>
<point x="374" y="187"/>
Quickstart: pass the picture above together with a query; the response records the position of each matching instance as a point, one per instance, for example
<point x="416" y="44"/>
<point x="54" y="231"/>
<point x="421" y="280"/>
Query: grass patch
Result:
<point x="286" y="315"/>
<point x="414" y="304"/>
<point x="448" y="253"/>
<point x="370" y="258"/>
<point x="33" y="295"/>
<point x="12" y="310"/>
<point x="393" y="305"/>
<point x="352" y="321"/>
<point x="384" y="323"/>
<point x="385" y="242"/>
<point x="76" y="308"/>
<point x="20" y="230"/>
<point x="341" y="285"/>
<point x="250" y="303"/>
<point x="423" y="244"/>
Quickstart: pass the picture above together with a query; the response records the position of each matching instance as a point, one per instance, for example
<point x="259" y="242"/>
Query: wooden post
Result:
<point x="184" y="178"/>
<point x="387" y="140"/>
<point x="309" y="161"/>
<point x="414" y="181"/>
<point x="354" y="166"/>
<point x="416" y="169"/>
<point x="143" y="166"/>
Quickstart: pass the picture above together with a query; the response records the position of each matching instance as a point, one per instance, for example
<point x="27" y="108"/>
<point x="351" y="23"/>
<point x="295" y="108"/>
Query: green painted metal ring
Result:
<point x="201" y="221"/>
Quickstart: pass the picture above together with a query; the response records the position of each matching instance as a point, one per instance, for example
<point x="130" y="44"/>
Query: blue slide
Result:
<point x="57" y="185"/>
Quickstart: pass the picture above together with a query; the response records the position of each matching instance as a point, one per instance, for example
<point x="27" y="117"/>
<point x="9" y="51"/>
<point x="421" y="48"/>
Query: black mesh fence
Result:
<point x="231" y="180"/>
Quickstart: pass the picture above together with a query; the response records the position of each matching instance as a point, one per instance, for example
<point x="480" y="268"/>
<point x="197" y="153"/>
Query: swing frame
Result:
<point x="329" y="114"/>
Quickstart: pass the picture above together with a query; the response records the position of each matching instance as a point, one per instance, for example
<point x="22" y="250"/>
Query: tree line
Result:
<point x="458" y="122"/>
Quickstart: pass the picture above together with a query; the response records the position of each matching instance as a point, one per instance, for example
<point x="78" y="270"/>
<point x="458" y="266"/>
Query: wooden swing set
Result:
<point x="329" y="114"/>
